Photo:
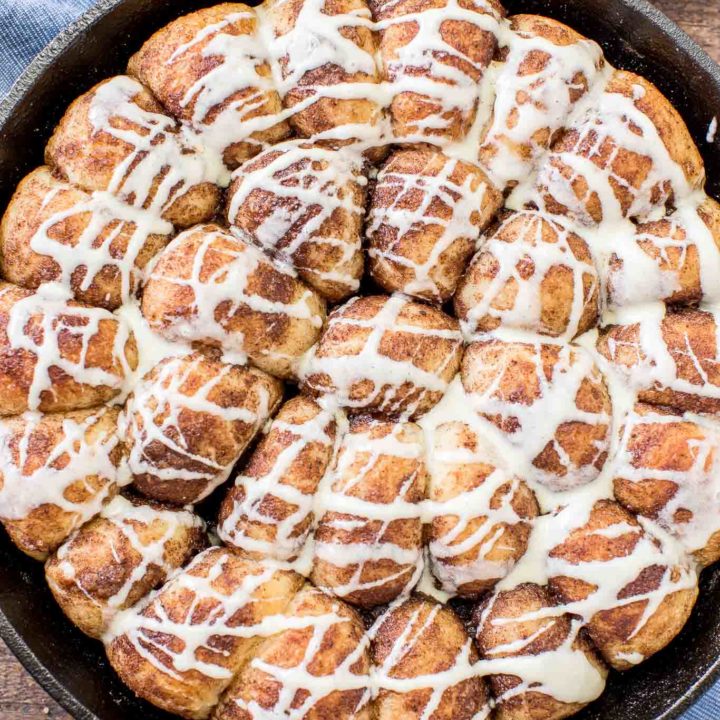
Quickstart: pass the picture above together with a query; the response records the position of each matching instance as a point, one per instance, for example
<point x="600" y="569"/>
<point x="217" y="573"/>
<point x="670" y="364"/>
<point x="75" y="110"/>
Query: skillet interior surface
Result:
<point x="72" y="667"/>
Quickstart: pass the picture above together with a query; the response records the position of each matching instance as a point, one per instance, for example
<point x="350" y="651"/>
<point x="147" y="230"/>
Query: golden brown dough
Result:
<point x="433" y="54"/>
<point x="386" y="355"/>
<point x="305" y="204"/>
<point x="116" y="138"/>
<point x="56" y="472"/>
<point x="325" y="89"/>
<point x="533" y="274"/>
<point x="541" y="666"/>
<point x="635" y="591"/>
<point x="317" y="670"/>
<point x="209" y="69"/>
<point x="181" y="651"/>
<point x="481" y="513"/>
<point x="57" y="356"/>
<point x="97" y="248"/>
<point x="424" y="663"/>
<point x="426" y="214"/>
<point x="671" y="359"/>
<point x="269" y="511"/>
<point x="551" y="402"/>
<point x="546" y="70"/>
<point x="117" y="558"/>
<point x="213" y="287"/>
<point x="368" y="543"/>
<point x="667" y="470"/>
<point x="675" y="259"/>
<point x="629" y="156"/>
<point x="189" y="420"/>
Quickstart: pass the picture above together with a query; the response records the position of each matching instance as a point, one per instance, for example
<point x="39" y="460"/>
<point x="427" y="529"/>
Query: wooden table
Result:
<point x="20" y="696"/>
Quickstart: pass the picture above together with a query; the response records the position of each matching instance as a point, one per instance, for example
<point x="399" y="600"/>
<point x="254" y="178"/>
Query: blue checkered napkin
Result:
<point x="27" y="26"/>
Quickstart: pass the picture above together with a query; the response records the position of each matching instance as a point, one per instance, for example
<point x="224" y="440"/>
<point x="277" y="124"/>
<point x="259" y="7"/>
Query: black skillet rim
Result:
<point x="24" y="86"/>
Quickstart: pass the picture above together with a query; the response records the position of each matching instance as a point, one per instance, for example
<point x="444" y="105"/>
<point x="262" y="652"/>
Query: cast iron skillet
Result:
<point x="72" y="668"/>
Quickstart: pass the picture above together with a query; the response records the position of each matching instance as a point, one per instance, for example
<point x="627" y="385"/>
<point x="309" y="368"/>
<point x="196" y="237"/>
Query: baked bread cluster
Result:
<point x="434" y="293"/>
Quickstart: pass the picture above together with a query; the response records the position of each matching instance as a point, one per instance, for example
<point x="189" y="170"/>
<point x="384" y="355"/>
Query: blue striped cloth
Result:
<point x="27" y="26"/>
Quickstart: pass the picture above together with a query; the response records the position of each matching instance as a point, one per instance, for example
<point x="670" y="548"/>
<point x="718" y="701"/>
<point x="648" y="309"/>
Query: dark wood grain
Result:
<point x="20" y="696"/>
<point x="699" y="18"/>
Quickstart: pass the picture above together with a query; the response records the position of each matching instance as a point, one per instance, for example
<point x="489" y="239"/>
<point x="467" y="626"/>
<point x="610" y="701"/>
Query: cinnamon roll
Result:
<point x="547" y="69"/>
<point x="270" y="510"/>
<point x="189" y="420"/>
<point x="434" y="54"/>
<point x="325" y="51"/>
<point x="305" y="204"/>
<point x="58" y="355"/>
<point x="670" y="358"/>
<point x="368" y="543"/>
<point x="316" y="668"/>
<point x="214" y="287"/>
<point x="634" y="590"/>
<point x="675" y="259"/>
<point x="211" y="70"/>
<point x="667" y="470"/>
<point x="181" y="649"/>
<point x="93" y="245"/>
<point x="116" y="559"/>
<point x="549" y="401"/>
<point x="540" y="664"/>
<point x="426" y="214"/>
<point x="481" y="514"/>
<point x="425" y="665"/>
<point x="386" y="355"/>
<point x="56" y="473"/>
<point x="115" y="138"/>
<point x="628" y="155"/>
<point x="532" y="273"/>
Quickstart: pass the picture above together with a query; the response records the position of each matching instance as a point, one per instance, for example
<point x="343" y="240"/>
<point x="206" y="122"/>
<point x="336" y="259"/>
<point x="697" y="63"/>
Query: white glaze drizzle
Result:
<point x="158" y="153"/>
<point x="643" y="278"/>
<point x="528" y="105"/>
<point x="49" y="309"/>
<point x="656" y="364"/>
<point x="152" y="347"/>
<point x="695" y="489"/>
<point x="302" y="678"/>
<point x="535" y="424"/>
<point x="472" y="511"/>
<point x="104" y="209"/>
<point x="150" y="620"/>
<point x="342" y="508"/>
<point x="74" y="461"/>
<point x="612" y="118"/>
<point x="240" y="56"/>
